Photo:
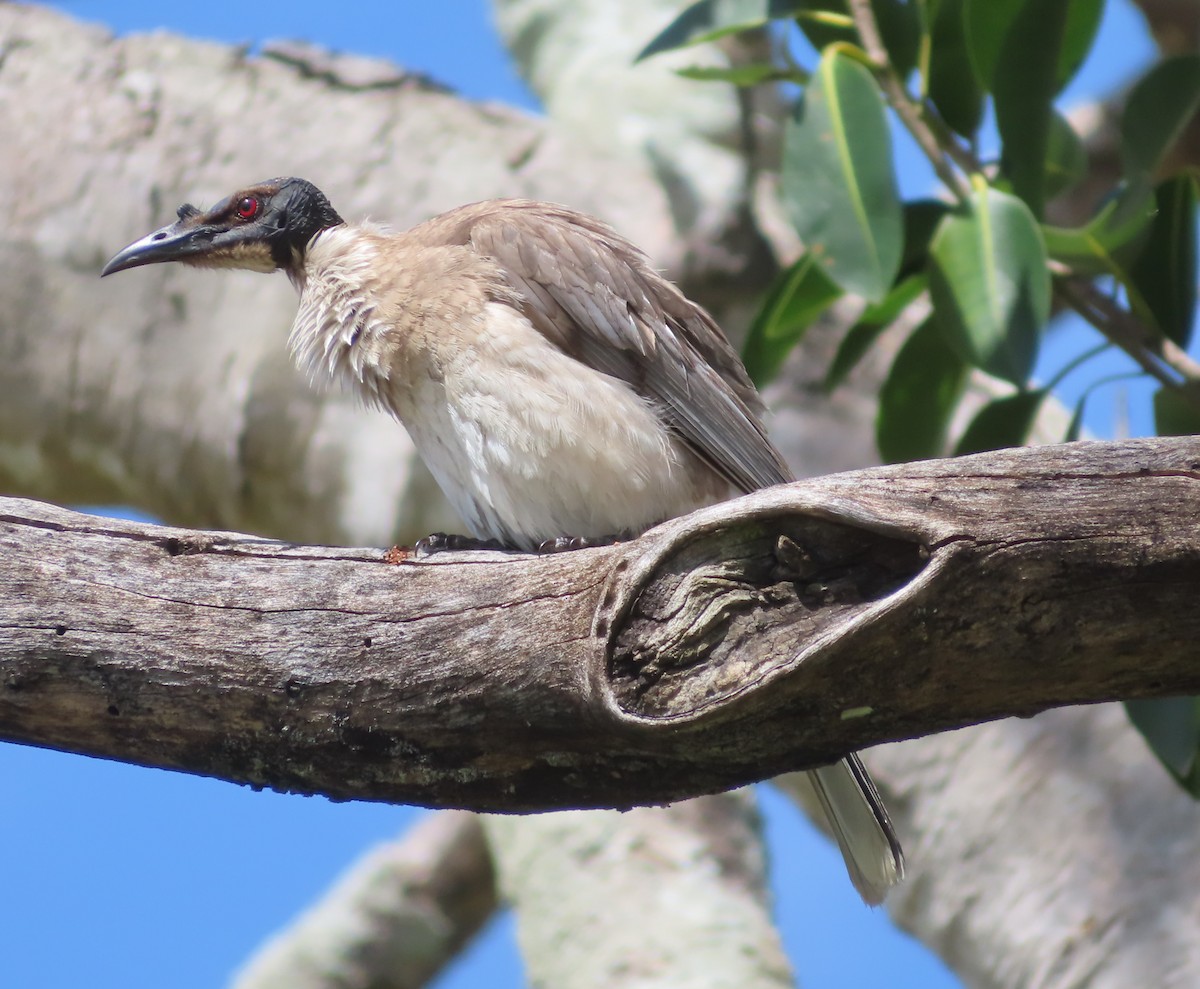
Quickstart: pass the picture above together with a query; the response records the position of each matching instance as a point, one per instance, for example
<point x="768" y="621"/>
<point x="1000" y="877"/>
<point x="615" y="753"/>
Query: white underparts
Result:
<point x="529" y="444"/>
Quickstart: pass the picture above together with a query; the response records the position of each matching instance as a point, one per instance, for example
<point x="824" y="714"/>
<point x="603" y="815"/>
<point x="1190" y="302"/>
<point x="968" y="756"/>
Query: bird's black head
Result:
<point x="263" y="227"/>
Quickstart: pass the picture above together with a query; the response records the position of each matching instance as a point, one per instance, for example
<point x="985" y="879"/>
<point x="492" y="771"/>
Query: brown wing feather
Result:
<point x="596" y="296"/>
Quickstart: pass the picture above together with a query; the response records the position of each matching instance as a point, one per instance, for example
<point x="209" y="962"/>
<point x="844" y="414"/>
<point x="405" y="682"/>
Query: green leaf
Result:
<point x="796" y="298"/>
<point x="712" y="19"/>
<point x="873" y="321"/>
<point x="899" y="27"/>
<point x="743" y="75"/>
<point x="1171" y="726"/>
<point x="985" y="26"/>
<point x="1083" y="22"/>
<point x="1023" y="88"/>
<point x="1066" y="157"/>
<point x="989" y="284"/>
<point x="1110" y="243"/>
<point x="918" y="397"/>
<point x="1164" y="273"/>
<point x="1175" y="411"/>
<point x="1075" y="427"/>
<point x="952" y="85"/>
<point x="1105" y="244"/>
<point x="987" y="23"/>
<point x="854" y="345"/>
<point x="839" y="187"/>
<point x="1001" y="423"/>
<point x="1158" y="108"/>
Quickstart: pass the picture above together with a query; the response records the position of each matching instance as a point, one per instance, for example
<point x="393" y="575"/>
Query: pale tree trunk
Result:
<point x="1053" y="851"/>
<point x="1039" y="850"/>
<point x="645" y="898"/>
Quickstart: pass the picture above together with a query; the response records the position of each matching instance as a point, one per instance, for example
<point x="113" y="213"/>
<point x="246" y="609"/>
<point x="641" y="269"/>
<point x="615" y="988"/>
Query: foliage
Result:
<point x="981" y="258"/>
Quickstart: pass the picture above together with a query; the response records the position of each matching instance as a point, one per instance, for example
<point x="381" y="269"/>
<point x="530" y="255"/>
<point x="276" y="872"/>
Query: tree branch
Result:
<point x="394" y="920"/>
<point x="768" y="634"/>
<point x="1159" y="357"/>
<point x="939" y="149"/>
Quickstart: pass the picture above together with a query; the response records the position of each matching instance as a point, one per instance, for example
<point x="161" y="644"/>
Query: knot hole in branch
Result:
<point x="737" y="605"/>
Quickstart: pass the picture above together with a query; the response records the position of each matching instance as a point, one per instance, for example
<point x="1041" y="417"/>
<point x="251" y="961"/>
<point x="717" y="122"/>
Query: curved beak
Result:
<point x="171" y="243"/>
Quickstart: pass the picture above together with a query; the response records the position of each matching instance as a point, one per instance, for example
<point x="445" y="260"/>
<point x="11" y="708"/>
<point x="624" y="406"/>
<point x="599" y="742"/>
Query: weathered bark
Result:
<point x="394" y="920"/>
<point x="769" y="634"/>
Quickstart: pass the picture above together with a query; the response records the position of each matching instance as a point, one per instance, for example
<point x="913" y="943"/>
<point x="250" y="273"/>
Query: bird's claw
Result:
<point x="443" y="542"/>
<point x="563" y="544"/>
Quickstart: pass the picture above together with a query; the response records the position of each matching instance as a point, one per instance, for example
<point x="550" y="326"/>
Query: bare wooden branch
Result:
<point x="768" y="634"/>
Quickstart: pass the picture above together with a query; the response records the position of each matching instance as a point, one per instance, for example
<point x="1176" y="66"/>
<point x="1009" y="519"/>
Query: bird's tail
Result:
<point x="861" y="826"/>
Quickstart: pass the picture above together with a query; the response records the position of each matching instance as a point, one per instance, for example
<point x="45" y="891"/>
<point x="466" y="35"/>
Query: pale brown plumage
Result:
<point x="596" y="297"/>
<point x="553" y="381"/>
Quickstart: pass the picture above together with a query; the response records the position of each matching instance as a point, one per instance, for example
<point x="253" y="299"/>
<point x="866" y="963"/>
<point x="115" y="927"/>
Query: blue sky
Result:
<point x="118" y="877"/>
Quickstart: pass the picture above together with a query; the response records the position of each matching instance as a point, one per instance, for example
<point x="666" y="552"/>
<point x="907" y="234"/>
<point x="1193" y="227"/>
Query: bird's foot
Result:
<point x="563" y="544"/>
<point x="442" y="542"/>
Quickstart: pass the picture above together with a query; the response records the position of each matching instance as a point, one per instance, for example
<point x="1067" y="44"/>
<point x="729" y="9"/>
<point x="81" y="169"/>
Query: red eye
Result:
<point x="247" y="208"/>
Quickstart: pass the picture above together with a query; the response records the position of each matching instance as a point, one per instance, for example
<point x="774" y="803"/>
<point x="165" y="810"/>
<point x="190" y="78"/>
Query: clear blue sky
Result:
<point x="117" y="877"/>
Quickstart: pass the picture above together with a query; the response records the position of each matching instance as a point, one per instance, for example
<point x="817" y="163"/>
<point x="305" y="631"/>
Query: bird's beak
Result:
<point x="172" y="243"/>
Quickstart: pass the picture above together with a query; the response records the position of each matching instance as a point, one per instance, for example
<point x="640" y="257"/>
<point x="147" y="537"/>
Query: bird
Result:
<point x="561" y="390"/>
